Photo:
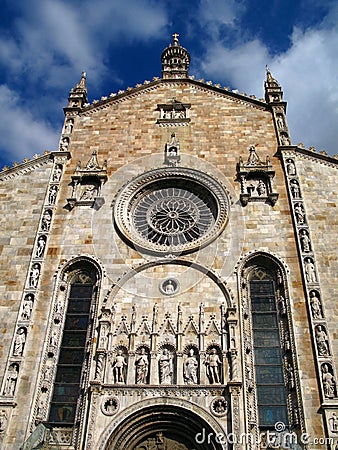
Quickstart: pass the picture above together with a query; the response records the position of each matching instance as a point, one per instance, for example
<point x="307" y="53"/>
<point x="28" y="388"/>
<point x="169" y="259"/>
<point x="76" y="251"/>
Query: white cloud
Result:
<point x="21" y="134"/>
<point x="213" y="14"/>
<point x="307" y="72"/>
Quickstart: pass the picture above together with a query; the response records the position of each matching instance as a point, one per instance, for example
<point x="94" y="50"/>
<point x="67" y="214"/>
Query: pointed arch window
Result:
<point x="72" y="359"/>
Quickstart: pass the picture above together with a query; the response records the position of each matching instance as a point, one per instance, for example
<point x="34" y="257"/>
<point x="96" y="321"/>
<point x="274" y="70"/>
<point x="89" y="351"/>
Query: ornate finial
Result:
<point x="175" y="36"/>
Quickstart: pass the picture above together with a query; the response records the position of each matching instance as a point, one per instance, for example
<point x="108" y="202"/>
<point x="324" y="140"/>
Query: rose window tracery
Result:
<point x="176" y="211"/>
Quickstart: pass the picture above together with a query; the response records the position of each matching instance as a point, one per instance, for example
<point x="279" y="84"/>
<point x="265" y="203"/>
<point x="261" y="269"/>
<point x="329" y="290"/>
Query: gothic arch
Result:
<point x="174" y="421"/>
<point x="255" y="269"/>
<point x="178" y="262"/>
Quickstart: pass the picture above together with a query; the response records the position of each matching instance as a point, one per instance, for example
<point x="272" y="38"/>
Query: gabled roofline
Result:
<point x="309" y="153"/>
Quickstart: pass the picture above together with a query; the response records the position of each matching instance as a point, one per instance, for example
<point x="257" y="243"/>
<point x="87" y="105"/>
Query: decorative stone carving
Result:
<point x="87" y="182"/>
<point x="316" y="307"/>
<point x="11" y="379"/>
<point x="169" y="286"/>
<point x="213" y="367"/>
<point x="256" y="178"/>
<point x="46" y="220"/>
<point x="174" y="113"/>
<point x="290" y="376"/>
<point x="219" y="406"/>
<point x="291" y="168"/>
<point x="191" y="368"/>
<point x="19" y="341"/>
<point x="57" y="173"/>
<point x="34" y="276"/>
<point x="310" y="271"/>
<point x="99" y="366"/>
<point x="300" y="214"/>
<point x="295" y="190"/>
<point x="142" y="367"/>
<point x="305" y="241"/>
<point x="172" y="151"/>
<point x="119" y="366"/>
<point x="166" y="367"/>
<point x="40" y="248"/>
<point x="3" y="421"/>
<point x="333" y="421"/>
<point x="68" y="129"/>
<point x="52" y="193"/>
<point x="64" y="144"/>
<point x="322" y="341"/>
<point x="110" y="406"/>
<point x="329" y="382"/>
<point x="27" y="307"/>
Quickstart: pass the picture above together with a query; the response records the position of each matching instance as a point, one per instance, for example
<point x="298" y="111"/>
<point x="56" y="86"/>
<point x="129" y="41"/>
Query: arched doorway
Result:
<point x="165" y="427"/>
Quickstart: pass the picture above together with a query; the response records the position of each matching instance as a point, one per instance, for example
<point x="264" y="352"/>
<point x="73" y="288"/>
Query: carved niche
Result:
<point x="173" y="113"/>
<point x="256" y="178"/>
<point x="87" y="183"/>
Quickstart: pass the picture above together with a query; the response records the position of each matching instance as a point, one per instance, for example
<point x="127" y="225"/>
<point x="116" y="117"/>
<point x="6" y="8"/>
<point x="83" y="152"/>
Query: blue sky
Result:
<point x="45" y="45"/>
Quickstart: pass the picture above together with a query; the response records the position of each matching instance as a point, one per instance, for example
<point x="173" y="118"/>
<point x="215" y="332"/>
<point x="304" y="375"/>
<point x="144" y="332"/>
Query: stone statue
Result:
<point x="89" y="192"/>
<point x="119" y="364"/>
<point x="40" y="247"/>
<point x="191" y="368"/>
<point x="57" y="173"/>
<point x="64" y="145"/>
<point x="290" y="167"/>
<point x="310" y="271"/>
<point x="213" y="364"/>
<point x="27" y="307"/>
<point x="334" y="423"/>
<point x="315" y="306"/>
<point x="290" y="376"/>
<point x="322" y="341"/>
<point x="261" y="188"/>
<point x="12" y="376"/>
<point x="69" y="126"/>
<point x="295" y="189"/>
<point x="329" y="383"/>
<point x="166" y="367"/>
<point x="300" y="215"/>
<point x="34" y="276"/>
<point x="103" y="336"/>
<point x="3" y="421"/>
<point x="305" y="241"/>
<point x="52" y="194"/>
<point x="19" y="342"/>
<point x="142" y="367"/>
<point x="46" y="220"/>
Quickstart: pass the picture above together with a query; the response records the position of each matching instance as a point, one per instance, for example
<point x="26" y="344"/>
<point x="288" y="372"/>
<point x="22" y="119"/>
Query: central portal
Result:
<point x="165" y="427"/>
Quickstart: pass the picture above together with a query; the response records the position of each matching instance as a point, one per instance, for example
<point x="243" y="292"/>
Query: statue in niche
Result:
<point x="57" y="173"/>
<point x="310" y="271"/>
<point x="40" y="247"/>
<point x="119" y="364"/>
<point x="322" y="341"/>
<point x="291" y="168"/>
<point x="213" y="364"/>
<point x="285" y="140"/>
<point x="282" y="306"/>
<point x="295" y="191"/>
<point x="69" y="126"/>
<point x="46" y="220"/>
<point x="305" y="241"/>
<point x="34" y="276"/>
<point x="329" y="383"/>
<point x="52" y="194"/>
<point x="166" y="367"/>
<point x="300" y="214"/>
<point x="287" y="343"/>
<point x="3" y="421"/>
<point x="334" y="423"/>
<point x="64" y="145"/>
<point x="89" y="192"/>
<point x="12" y="377"/>
<point x="142" y="367"/>
<point x="280" y="121"/>
<point x="191" y="368"/>
<point x="27" y="307"/>
<point x="315" y="306"/>
<point x="19" y="342"/>
<point x="253" y="158"/>
<point x="261" y="188"/>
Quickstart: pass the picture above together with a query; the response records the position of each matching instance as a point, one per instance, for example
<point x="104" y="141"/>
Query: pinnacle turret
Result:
<point x="175" y="60"/>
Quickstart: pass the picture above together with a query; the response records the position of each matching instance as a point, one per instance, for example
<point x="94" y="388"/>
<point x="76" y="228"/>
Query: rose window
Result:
<point x="178" y="210"/>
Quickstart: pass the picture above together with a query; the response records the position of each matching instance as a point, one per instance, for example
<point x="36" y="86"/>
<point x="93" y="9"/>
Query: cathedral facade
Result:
<point x="169" y="276"/>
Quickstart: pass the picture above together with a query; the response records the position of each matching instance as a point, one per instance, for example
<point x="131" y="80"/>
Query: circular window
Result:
<point x="171" y="211"/>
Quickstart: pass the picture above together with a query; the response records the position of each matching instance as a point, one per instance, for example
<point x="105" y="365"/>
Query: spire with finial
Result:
<point x="273" y="90"/>
<point x="175" y="60"/>
<point x="78" y="95"/>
